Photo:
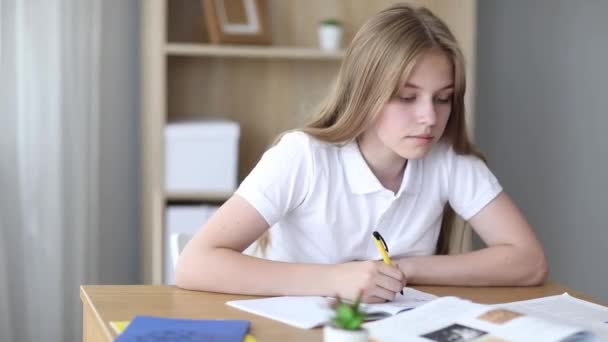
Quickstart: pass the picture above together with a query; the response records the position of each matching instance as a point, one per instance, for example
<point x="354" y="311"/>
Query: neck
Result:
<point x="385" y="164"/>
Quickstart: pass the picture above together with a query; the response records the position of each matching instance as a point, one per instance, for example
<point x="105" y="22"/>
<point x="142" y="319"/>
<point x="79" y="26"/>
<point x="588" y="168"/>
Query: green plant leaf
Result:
<point x="344" y="313"/>
<point x="348" y="316"/>
<point x="354" y="324"/>
<point x="330" y="21"/>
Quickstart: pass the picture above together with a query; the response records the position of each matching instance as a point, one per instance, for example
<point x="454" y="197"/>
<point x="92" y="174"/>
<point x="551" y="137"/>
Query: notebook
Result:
<point x="307" y="312"/>
<point x="148" y="328"/>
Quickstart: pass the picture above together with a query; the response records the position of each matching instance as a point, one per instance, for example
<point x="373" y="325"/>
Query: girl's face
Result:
<point x="414" y="120"/>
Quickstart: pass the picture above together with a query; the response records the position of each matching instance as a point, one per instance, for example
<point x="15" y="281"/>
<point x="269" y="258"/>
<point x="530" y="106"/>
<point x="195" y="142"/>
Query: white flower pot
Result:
<point x="330" y="37"/>
<point x="333" y="334"/>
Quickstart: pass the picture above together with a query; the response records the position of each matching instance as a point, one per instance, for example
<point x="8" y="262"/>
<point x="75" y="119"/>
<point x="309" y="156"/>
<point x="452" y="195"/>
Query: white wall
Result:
<point x="542" y="121"/>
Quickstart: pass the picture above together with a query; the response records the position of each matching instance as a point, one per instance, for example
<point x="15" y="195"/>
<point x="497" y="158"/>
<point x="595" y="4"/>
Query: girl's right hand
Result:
<point x="374" y="280"/>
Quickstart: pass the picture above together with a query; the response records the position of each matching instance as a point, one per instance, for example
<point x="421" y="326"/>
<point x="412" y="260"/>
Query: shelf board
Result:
<point x="248" y="51"/>
<point x="198" y="196"/>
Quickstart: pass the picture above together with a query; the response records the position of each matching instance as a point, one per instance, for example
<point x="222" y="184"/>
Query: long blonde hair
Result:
<point x="381" y="55"/>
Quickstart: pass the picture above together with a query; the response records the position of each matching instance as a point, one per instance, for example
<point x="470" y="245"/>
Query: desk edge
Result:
<point x="84" y="297"/>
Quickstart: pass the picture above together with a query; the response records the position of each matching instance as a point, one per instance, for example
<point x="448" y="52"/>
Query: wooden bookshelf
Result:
<point x="239" y="51"/>
<point x="197" y="196"/>
<point x="267" y="89"/>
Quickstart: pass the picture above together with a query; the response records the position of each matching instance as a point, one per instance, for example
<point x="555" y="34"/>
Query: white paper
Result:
<point x="304" y="312"/>
<point x="566" y="309"/>
<point x="307" y="312"/>
<point x="409" y="325"/>
<point x="410" y="299"/>
<point x="455" y="319"/>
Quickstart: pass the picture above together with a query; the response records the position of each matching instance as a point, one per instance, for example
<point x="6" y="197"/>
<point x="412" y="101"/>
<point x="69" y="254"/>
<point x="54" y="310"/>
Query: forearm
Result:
<point x="228" y="271"/>
<point x="501" y="265"/>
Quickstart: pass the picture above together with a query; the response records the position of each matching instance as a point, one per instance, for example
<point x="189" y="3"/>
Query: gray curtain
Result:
<point x="49" y="158"/>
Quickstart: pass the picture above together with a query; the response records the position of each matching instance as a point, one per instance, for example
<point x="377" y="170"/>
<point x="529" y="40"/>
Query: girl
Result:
<point x="387" y="151"/>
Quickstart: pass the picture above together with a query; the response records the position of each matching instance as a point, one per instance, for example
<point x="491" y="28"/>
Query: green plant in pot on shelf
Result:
<point x="346" y="323"/>
<point x="331" y="22"/>
<point x="330" y="34"/>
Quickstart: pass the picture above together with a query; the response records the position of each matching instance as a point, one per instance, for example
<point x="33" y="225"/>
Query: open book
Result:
<point x="308" y="312"/>
<point x="556" y="318"/>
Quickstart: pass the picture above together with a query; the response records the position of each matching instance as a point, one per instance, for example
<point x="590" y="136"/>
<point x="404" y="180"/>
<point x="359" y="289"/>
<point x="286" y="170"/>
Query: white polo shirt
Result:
<point x="323" y="202"/>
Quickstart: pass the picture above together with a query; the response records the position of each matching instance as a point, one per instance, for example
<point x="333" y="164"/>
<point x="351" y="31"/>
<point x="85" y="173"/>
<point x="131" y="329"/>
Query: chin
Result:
<point x="414" y="153"/>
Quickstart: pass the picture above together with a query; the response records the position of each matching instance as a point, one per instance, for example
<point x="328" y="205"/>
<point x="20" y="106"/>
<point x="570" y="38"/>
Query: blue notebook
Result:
<point x="147" y="328"/>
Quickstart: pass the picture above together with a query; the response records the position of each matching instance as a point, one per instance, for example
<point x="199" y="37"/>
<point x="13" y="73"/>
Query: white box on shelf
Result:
<point x="181" y="223"/>
<point x="201" y="156"/>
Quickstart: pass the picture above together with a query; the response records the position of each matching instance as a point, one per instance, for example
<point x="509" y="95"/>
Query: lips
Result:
<point x="421" y="139"/>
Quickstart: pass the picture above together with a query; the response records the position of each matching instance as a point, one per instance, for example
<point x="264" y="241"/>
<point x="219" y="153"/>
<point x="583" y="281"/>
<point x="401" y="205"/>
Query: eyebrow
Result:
<point x="412" y="85"/>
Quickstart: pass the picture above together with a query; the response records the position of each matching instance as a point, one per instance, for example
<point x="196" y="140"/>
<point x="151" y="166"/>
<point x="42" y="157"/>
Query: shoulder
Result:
<point x="297" y="138"/>
<point x="298" y="143"/>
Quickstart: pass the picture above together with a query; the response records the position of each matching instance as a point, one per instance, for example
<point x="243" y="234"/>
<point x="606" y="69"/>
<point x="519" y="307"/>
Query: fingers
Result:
<point x="379" y="282"/>
<point x="389" y="283"/>
<point x="404" y="280"/>
<point x="393" y="272"/>
<point x="383" y="294"/>
<point x="391" y="278"/>
<point x="378" y="294"/>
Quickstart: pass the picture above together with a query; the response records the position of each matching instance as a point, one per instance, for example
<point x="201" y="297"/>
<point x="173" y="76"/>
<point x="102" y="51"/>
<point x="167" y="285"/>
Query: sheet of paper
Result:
<point x="567" y="309"/>
<point x="303" y="312"/>
<point x="410" y="299"/>
<point x="409" y="326"/>
<point x="307" y="312"/>
<point x="455" y="319"/>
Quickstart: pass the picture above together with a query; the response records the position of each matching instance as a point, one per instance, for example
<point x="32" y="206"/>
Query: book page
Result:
<point x="566" y="309"/>
<point x="307" y="312"/>
<point x="303" y="312"/>
<point x="410" y="299"/>
<point x="455" y="319"/>
<point x="413" y="324"/>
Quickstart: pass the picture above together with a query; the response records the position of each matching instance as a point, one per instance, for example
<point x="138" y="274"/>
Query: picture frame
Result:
<point x="237" y="21"/>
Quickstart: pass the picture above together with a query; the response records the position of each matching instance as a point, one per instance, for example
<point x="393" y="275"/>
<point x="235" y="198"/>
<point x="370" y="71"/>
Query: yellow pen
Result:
<point x="383" y="248"/>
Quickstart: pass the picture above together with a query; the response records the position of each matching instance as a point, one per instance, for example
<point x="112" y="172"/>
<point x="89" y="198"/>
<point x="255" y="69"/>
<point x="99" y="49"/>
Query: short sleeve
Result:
<point x="280" y="181"/>
<point x="471" y="184"/>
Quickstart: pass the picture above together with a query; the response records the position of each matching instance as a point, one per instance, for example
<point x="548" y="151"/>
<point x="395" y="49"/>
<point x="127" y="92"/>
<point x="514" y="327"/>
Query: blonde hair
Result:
<point x="380" y="57"/>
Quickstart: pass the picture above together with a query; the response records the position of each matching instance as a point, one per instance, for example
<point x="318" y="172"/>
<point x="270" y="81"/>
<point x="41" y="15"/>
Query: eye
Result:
<point x="443" y="100"/>
<point x="407" y="99"/>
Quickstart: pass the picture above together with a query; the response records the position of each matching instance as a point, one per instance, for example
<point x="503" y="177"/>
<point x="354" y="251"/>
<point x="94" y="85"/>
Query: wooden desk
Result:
<point x="105" y="303"/>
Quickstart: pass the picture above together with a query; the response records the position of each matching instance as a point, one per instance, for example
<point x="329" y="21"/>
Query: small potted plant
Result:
<point x="330" y="34"/>
<point x="345" y="325"/>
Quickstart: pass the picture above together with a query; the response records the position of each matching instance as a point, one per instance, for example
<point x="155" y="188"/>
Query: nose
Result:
<point x="427" y="114"/>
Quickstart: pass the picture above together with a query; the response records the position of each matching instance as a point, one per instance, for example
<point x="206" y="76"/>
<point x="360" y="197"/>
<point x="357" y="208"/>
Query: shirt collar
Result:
<point x="362" y="180"/>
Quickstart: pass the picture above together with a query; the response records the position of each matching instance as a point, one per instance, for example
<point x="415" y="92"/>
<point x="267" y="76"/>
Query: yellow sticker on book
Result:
<point x="249" y="338"/>
<point x="119" y="326"/>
